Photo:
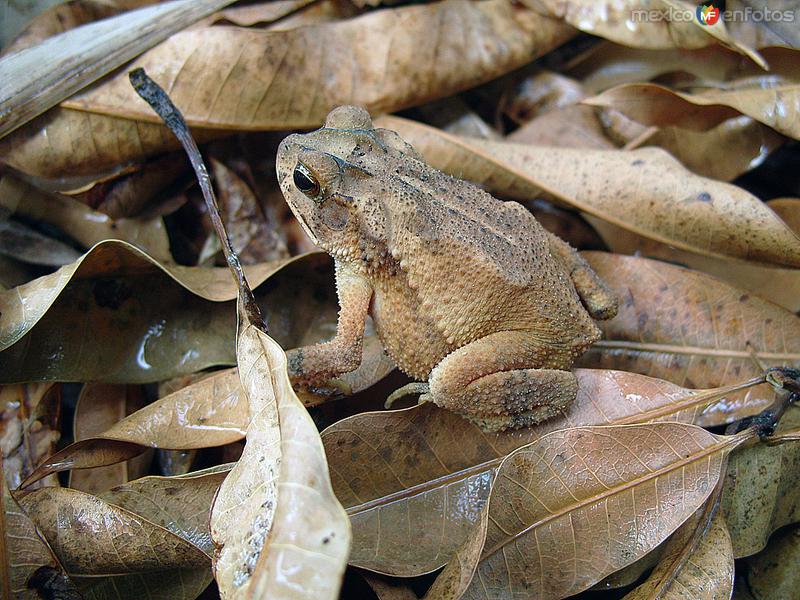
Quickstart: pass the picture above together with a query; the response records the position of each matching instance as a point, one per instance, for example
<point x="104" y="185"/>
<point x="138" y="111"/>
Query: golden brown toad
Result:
<point x="467" y="292"/>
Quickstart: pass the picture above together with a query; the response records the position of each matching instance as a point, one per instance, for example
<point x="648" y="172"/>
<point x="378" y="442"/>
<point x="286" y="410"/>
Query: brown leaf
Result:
<point x="624" y="188"/>
<point x="781" y="286"/>
<point x="390" y="469"/>
<point x="707" y="573"/>
<point x="277" y="526"/>
<point x="180" y="504"/>
<point x="92" y="537"/>
<point x="642" y="24"/>
<point x="399" y="57"/>
<point x="690" y="328"/>
<point x="162" y="322"/>
<point x="23" y="551"/>
<point x="81" y="223"/>
<point x="773" y="574"/>
<point x="609" y="492"/>
<point x="100" y="406"/>
<point x="776" y="105"/>
<point x="780" y="30"/>
<point x="762" y="490"/>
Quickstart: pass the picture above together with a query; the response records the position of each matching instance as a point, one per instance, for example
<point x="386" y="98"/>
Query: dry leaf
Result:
<point x="608" y="492"/>
<point x="180" y="504"/>
<point x="762" y="490"/>
<point x="629" y="189"/>
<point x="278" y="528"/>
<point x="776" y="105"/>
<point x="142" y="337"/>
<point x="390" y="469"/>
<point x="22" y="243"/>
<point x="773" y="574"/>
<point x="23" y="552"/>
<point x="781" y="286"/>
<point x="707" y="573"/>
<point x="41" y="76"/>
<point x="787" y="209"/>
<point x="30" y="420"/>
<point x="760" y="32"/>
<point x="80" y="222"/>
<point x="92" y="537"/>
<point x="100" y="406"/>
<point x="399" y="57"/>
<point x="690" y="328"/>
<point x="621" y="23"/>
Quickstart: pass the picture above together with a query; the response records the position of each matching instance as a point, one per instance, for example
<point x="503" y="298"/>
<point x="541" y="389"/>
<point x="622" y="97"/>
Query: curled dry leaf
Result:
<point x="762" y="490"/>
<point x="628" y="23"/>
<point x="392" y="469"/>
<point x="781" y="286"/>
<point x="628" y="189"/>
<point x="777" y="106"/>
<point x="23" y="551"/>
<point x="706" y="574"/>
<point x="609" y="492"/>
<point x="773" y="574"/>
<point x="279" y="530"/>
<point x="690" y="328"/>
<point x="142" y="336"/>
<point x="92" y="537"/>
<point x="83" y="224"/>
<point x="100" y="406"/>
<point x="385" y="60"/>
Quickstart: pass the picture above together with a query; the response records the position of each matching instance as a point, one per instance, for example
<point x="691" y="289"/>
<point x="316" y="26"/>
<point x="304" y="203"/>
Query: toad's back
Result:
<point x="472" y="265"/>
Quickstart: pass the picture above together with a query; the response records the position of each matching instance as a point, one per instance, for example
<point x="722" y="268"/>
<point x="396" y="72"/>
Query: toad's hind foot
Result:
<point x="409" y="389"/>
<point x="511" y="399"/>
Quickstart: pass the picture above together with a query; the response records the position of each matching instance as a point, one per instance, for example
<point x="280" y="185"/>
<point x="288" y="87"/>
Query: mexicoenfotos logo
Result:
<point x="708" y="14"/>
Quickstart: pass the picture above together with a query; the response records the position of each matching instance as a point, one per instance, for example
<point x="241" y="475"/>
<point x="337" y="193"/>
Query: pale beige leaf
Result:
<point x="787" y="209"/>
<point x="645" y="24"/>
<point x="646" y="191"/>
<point x="180" y="504"/>
<point x="392" y="469"/>
<point x="762" y="490"/>
<point x="279" y="530"/>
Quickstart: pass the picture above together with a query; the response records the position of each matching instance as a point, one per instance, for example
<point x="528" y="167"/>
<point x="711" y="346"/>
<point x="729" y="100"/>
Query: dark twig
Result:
<point x="160" y="102"/>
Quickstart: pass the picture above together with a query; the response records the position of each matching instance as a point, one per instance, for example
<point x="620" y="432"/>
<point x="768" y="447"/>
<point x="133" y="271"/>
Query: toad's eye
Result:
<point x="306" y="182"/>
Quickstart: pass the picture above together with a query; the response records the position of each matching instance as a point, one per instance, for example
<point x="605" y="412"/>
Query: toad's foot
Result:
<point x="409" y="389"/>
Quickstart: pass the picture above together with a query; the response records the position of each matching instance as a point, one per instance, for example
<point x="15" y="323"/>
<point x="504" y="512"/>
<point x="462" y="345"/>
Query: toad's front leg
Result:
<point x="314" y="366"/>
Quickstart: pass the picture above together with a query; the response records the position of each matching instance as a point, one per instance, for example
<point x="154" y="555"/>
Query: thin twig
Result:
<point x="160" y="102"/>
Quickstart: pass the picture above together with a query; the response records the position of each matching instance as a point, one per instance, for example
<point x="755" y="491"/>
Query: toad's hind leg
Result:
<point x="595" y="294"/>
<point x="495" y="382"/>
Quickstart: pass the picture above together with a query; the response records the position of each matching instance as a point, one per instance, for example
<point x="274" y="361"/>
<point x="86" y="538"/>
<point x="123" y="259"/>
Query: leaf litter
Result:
<point x="659" y="141"/>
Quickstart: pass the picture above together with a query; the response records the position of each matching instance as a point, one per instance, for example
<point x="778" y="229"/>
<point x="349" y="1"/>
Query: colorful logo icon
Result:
<point x="708" y="14"/>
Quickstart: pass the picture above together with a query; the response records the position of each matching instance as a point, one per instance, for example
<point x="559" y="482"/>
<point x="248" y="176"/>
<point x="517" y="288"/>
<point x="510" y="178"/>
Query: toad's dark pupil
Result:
<point x="305" y="183"/>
